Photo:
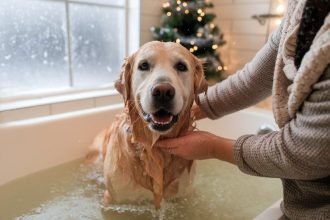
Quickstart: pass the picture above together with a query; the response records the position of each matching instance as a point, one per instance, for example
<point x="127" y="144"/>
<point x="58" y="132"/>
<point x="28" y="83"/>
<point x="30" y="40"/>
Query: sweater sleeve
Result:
<point x="246" y="87"/>
<point x="300" y="150"/>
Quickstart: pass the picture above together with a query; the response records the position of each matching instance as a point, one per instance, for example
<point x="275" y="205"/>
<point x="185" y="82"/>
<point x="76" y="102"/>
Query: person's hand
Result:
<point x="194" y="145"/>
<point x="199" y="145"/>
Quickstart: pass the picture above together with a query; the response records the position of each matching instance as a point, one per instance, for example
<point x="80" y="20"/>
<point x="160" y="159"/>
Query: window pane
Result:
<point x="32" y="46"/>
<point x="98" y="43"/>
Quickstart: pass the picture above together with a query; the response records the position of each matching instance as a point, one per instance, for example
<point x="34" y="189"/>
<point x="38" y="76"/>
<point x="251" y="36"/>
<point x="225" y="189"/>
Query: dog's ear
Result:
<point x="200" y="83"/>
<point x="123" y="84"/>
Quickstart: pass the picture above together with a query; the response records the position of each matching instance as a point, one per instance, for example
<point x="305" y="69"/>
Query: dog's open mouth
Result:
<point x="161" y="120"/>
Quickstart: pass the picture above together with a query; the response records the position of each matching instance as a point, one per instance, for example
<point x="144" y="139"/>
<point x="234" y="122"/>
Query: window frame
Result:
<point x="40" y="97"/>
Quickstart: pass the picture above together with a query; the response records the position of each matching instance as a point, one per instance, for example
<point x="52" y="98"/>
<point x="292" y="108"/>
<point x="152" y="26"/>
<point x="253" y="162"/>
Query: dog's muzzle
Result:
<point x="162" y="99"/>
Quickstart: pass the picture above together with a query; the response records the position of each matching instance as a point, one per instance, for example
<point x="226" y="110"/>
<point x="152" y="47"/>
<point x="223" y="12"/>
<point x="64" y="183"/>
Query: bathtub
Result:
<point x="34" y="145"/>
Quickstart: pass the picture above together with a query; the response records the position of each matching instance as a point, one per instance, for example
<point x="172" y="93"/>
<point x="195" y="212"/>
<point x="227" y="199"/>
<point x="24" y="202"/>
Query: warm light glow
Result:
<point x="280" y="9"/>
<point x="185" y="4"/>
<point x="178" y="2"/>
<point x="178" y="8"/>
<point x="166" y="4"/>
<point x="199" y="34"/>
<point x="178" y="40"/>
<point x="214" y="46"/>
<point x="202" y="14"/>
<point x="192" y="42"/>
<point x="191" y="50"/>
<point x="225" y="68"/>
<point x="199" y="11"/>
<point x="277" y="22"/>
<point x="169" y="13"/>
<point x="199" y="18"/>
<point x="195" y="48"/>
<point x="212" y="25"/>
<point x="186" y="11"/>
<point x="220" y="68"/>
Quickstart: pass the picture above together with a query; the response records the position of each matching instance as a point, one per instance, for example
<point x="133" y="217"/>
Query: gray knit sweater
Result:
<point x="299" y="153"/>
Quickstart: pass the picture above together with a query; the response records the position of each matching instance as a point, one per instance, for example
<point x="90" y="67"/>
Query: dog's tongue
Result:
<point x="162" y="116"/>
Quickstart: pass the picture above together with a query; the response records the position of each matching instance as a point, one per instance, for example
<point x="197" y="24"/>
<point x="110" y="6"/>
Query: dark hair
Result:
<point x="312" y="19"/>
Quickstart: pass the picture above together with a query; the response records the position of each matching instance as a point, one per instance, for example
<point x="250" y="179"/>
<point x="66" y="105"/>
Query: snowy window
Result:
<point x="48" y="45"/>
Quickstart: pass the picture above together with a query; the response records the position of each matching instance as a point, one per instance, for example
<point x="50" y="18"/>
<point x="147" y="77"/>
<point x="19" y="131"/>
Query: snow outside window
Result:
<point x="48" y="45"/>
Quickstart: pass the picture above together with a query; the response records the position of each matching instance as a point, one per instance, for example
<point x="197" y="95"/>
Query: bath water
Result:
<point x="74" y="191"/>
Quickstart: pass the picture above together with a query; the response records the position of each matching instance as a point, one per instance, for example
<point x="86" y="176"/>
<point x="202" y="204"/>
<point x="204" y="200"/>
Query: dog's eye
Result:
<point x="181" y="67"/>
<point x="144" y="66"/>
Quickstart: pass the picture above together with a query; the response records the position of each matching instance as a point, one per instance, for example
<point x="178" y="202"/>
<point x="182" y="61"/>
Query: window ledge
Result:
<point x="64" y="103"/>
<point x="56" y="99"/>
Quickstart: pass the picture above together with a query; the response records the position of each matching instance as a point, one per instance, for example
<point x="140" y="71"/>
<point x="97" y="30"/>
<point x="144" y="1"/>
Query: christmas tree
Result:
<point x="188" y="23"/>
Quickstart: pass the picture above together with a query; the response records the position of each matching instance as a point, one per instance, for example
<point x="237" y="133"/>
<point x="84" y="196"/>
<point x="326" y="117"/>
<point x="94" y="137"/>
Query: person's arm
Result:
<point x="246" y="87"/>
<point x="300" y="150"/>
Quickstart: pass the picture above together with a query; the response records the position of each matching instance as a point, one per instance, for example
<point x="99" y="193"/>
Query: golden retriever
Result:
<point x="159" y="84"/>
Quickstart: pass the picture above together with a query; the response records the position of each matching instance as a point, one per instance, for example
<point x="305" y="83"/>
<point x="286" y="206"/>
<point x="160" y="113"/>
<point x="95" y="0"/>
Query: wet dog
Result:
<point x="159" y="84"/>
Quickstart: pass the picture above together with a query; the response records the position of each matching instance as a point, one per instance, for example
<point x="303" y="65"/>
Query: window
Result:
<point x="61" y="45"/>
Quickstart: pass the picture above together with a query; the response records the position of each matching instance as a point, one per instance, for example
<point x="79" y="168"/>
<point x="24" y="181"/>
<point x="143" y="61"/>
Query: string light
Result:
<point x="219" y="68"/>
<point x="184" y="4"/>
<point x="277" y="22"/>
<point x="178" y="8"/>
<point x="178" y="40"/>
<point x="225" y="68"/>
<point x="195" y="48"/>
<point x="166" y="5"/>
<point x="199" y="11"/>
<point x="186" y="11"/>
<point x="280" y="8"/>
<point x="214" y="46"/>
<point x="199" y="19"/>
<point x="199" y="34"/>
<point x="192" y="42"/>
<point x="191" y="50"/>
<point x="178" y="2"/>
<point x="169" y="13"/>
<point x="202" y="14"/>
<point x="212" y="25"/>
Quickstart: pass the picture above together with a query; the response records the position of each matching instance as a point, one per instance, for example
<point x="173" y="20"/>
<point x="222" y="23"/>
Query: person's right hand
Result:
<point x="199" y="145"/>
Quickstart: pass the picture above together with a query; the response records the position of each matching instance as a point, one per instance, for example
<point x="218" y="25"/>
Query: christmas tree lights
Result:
<point x="190" y="24"/>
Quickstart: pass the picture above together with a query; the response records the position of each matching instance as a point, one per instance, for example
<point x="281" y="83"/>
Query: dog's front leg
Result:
<point x="107" y="199"/>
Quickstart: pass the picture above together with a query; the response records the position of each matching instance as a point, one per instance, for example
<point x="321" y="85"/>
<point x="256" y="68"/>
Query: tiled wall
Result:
<point x="244" y="35"/>
<point x="150" y="16"/>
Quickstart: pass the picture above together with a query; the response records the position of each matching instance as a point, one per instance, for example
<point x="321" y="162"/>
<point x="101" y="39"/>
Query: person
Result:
<point x="293" y="67"/>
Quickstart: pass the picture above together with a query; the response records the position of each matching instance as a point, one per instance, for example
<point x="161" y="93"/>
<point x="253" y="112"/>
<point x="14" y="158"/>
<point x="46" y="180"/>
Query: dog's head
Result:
<point x="163" y="79"/>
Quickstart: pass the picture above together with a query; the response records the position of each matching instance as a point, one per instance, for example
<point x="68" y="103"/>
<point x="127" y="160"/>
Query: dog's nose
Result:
<point x="163" y="92"/>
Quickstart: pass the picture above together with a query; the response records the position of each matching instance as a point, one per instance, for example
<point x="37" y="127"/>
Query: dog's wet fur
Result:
<point x="159" y="84"/>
